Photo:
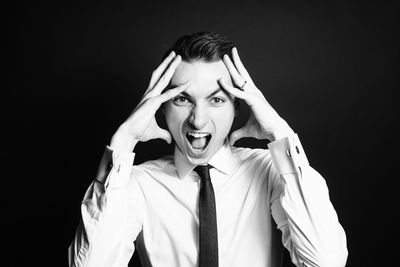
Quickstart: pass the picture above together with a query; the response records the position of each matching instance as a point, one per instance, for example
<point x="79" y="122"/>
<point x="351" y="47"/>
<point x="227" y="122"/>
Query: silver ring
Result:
<point x="241" y="88"/>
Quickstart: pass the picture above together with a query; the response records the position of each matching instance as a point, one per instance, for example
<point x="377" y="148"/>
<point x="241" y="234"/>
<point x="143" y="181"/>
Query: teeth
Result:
<point x="198" y="135"/>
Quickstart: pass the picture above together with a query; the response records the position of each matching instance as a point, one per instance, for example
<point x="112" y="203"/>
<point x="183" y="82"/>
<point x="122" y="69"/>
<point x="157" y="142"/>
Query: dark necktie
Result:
<point x="208" y="255"/>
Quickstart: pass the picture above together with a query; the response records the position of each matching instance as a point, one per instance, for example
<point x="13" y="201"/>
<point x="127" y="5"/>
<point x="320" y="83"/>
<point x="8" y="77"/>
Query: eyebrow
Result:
<point x="210" y="95"/>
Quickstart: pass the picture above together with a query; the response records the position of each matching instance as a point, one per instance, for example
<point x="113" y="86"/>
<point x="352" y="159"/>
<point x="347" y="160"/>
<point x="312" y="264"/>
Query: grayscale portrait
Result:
<point x="199" y="133"/>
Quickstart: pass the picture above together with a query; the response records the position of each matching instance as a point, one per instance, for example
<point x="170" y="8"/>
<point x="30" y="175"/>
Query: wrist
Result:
<point x="123" y="143"/>
<point x="282" y="132"/>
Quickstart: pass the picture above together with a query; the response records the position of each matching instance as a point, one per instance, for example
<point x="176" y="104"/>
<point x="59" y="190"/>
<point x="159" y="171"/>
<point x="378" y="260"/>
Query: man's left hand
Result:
<point x="264" y="122"/>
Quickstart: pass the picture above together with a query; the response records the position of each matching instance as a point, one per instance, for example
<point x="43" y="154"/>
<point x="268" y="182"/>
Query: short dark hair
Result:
<point x="202" y="46"/>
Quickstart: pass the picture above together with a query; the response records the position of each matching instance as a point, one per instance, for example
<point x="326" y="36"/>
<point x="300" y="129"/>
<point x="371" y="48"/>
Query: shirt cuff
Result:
<point x="115" y="168"/>
<point x="288" y="155"/>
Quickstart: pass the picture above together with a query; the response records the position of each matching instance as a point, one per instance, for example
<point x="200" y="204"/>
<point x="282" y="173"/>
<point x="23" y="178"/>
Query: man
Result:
<point x="210" y="204"/>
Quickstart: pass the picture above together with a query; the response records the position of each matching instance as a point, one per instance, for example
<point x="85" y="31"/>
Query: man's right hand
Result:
<point x="141" y="124"/>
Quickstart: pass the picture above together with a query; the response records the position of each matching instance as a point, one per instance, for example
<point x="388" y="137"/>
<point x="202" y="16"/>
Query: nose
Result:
<point x="198" y="117"/>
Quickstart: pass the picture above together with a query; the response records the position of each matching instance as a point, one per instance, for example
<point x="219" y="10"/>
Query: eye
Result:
<point x="181" y="100"/>
<point x="217" y="100"/>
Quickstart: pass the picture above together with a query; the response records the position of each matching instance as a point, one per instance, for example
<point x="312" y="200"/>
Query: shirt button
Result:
<point x="288" y="153"/>
<point x="297" y="150"/>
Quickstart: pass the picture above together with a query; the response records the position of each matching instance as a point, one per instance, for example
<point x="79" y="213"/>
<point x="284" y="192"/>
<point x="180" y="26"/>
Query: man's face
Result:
<point x="201" y="117"/>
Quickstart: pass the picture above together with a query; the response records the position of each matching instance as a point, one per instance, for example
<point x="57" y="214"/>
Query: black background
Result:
<point x="75" y="70"/>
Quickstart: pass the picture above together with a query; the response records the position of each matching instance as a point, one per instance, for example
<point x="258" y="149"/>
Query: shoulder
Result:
<point x="157" y="171"/>
<point x="255" y="160"/>
<point x="164" y="162"/>
<point x="254" y="155"/>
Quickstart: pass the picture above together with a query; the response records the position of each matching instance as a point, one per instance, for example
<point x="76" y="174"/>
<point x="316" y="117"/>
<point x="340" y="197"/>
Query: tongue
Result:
<point x="199" y="142"/>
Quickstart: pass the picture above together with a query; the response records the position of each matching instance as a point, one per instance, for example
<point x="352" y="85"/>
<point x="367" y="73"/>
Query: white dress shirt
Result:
<point x="156" y="204"/>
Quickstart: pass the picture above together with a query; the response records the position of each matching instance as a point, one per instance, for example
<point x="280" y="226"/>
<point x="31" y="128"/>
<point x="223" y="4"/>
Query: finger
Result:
<point x="166" y="77"/>
<point x="236" y="135"/>
<point x="160" y="70"/>
<point x="172" y="93"/>
<point x="237" y="79"/>
<point x="232" y="90"/>
<point x="163" y="81"/>
<point x="239" y="65"/>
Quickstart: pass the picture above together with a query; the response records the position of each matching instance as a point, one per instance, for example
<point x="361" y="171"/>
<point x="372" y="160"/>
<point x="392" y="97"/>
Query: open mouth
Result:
<point x="198" y="141"/>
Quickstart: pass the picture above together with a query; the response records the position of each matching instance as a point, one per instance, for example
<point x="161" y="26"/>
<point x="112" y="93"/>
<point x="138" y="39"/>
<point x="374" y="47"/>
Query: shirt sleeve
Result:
<point x="301" y="207"/>
<point x="111" y="215"/>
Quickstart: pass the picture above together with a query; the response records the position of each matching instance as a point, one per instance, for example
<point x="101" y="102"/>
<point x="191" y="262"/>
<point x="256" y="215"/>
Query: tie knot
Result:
<point x="203" y="171"/>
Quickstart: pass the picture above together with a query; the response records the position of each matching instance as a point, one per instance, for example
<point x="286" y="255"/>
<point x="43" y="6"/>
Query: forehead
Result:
<point x="201" y="76"/>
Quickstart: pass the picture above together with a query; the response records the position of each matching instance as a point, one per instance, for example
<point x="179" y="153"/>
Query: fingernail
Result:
<point x="172" y="53"/>
<point x="234" y="49"/>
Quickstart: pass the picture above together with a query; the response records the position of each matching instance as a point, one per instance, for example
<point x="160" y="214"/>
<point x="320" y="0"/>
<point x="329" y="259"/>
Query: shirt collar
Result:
<point x="223" y="160"/>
